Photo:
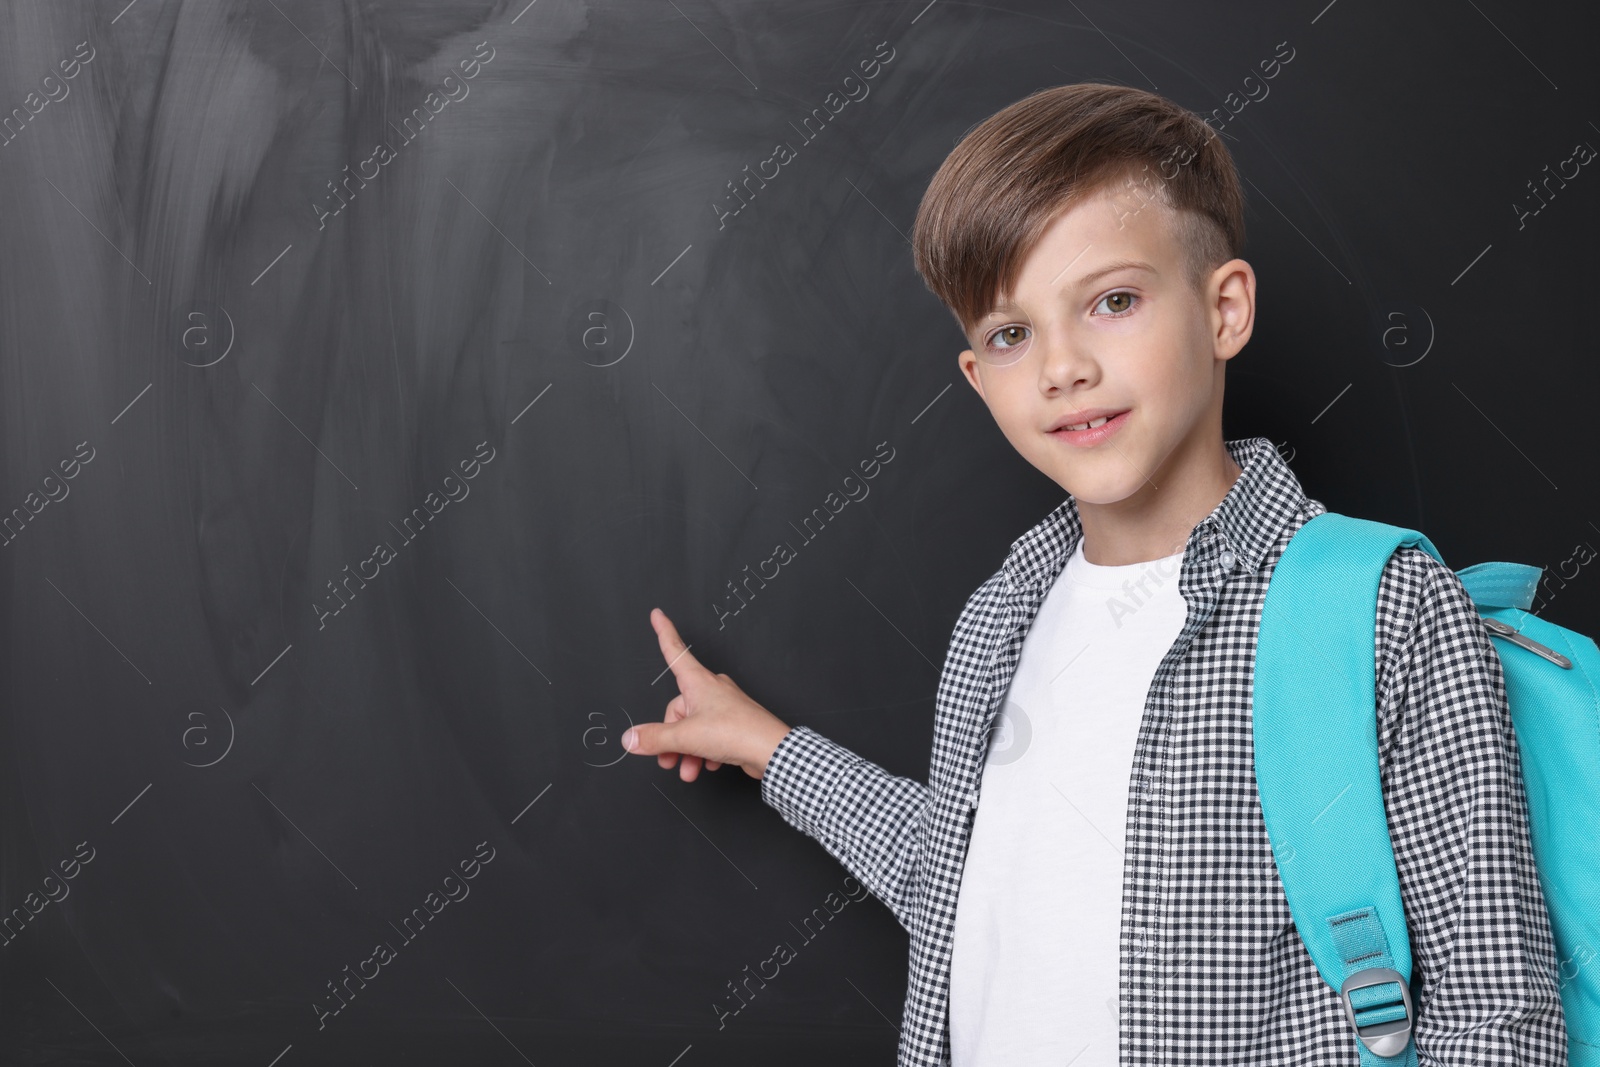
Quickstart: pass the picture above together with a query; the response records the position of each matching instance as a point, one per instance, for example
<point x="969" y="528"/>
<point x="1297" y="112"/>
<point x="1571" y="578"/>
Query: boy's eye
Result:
<point x="1012" y="335"/>
<point x="1122" y="301"/>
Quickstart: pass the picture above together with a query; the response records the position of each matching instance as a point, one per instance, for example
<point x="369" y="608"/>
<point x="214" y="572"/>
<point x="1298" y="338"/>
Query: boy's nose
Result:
<point x="1061" y="362"/>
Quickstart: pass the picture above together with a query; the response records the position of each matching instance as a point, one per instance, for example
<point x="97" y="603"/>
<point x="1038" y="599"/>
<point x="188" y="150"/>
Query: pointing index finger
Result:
<point x="679" y="660"/>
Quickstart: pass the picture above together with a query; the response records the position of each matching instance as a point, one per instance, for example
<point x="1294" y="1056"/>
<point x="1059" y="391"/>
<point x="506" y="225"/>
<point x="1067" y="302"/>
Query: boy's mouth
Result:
<point x="1081" y="431"/>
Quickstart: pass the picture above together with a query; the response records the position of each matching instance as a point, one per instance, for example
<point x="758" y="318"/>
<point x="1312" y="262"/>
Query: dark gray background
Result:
<point x="160" y="614"/>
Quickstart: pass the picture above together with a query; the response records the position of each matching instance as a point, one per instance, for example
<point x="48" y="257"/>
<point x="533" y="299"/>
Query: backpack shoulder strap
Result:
<point x="1314" y="724"/>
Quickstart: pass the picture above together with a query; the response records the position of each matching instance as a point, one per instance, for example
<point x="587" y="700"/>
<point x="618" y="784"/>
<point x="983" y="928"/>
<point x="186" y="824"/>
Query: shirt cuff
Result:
<point x="801" y="777"/>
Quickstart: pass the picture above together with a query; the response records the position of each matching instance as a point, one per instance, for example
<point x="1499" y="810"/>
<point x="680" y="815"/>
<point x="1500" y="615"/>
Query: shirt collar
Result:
<point x="1264" y="498"/>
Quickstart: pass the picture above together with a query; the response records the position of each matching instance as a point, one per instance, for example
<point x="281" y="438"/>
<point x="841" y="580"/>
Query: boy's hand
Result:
<point x="711" y="721"/>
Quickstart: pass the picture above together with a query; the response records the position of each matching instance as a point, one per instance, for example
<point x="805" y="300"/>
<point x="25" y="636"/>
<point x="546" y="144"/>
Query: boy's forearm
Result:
<point x="867" y="819"/>
<point x="1458" y="818"/>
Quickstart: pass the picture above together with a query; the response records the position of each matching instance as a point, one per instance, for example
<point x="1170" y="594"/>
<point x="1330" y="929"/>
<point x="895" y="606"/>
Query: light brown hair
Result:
<point x="1014" y="172"/>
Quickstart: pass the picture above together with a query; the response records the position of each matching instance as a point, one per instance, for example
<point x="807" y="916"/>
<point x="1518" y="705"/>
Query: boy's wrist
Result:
<point x="771" y="738"/>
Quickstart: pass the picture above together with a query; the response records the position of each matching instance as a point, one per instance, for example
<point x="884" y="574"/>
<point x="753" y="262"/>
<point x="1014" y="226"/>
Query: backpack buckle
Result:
<point x="1381" y="1021"/>
<point x="1516" y="637"/>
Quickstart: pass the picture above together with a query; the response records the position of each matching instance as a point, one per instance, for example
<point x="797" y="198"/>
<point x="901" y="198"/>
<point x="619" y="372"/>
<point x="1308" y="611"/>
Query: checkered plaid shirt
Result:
<point x="1212" y="970"/>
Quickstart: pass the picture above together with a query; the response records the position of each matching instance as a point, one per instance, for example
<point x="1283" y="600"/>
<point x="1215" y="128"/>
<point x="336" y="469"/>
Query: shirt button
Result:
<point x="1227" y="559"/>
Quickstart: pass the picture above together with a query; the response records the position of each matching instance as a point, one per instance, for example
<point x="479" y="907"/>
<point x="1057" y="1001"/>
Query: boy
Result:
<point x="1114" y="896"/>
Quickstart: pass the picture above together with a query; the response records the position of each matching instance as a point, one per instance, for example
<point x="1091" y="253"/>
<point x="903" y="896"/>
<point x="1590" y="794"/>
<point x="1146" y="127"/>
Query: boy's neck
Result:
<point x="1156" y="521"/>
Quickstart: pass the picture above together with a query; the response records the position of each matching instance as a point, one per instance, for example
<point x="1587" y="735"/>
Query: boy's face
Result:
<point x="1071" y="342"/>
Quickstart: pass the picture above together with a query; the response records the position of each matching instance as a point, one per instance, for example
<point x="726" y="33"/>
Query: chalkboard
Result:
<point x="370" y="370"/>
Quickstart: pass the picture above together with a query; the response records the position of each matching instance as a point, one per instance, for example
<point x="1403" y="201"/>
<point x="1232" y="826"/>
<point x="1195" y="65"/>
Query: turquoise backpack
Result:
<point x="1315" y="737"/>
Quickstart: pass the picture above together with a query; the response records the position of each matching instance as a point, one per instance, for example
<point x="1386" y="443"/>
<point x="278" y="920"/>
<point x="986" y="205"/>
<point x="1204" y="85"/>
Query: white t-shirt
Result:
<point x="1034" y="968"/>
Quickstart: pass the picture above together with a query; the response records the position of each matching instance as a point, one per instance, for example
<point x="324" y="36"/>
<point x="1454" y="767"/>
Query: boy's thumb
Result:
<point x="644" y="739"/>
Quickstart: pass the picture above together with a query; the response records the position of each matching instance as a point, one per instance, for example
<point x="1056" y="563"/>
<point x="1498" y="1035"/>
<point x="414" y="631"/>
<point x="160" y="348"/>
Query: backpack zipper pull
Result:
<point x="1515" y="637"/>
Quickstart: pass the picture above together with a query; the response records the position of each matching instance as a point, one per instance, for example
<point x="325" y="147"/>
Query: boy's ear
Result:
<point x="968" y="362"/>
<point x="1233" y="307"/>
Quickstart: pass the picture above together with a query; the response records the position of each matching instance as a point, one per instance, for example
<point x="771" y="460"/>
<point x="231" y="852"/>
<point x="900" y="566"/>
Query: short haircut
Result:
<point x="1012" y="174"/>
